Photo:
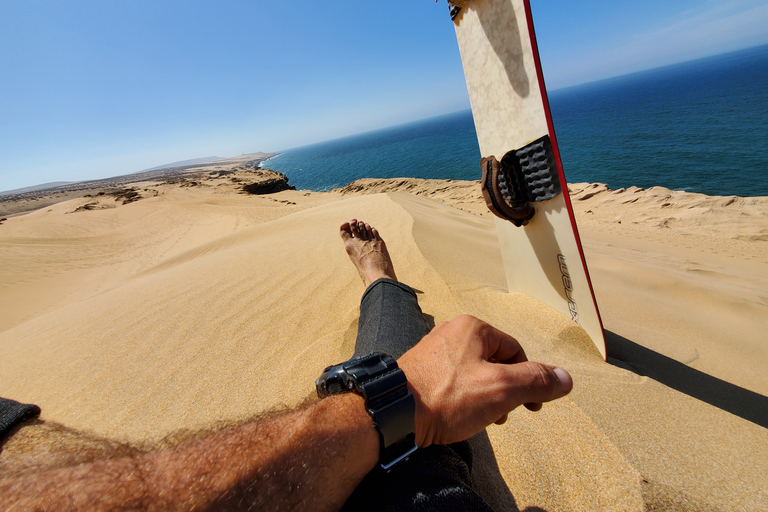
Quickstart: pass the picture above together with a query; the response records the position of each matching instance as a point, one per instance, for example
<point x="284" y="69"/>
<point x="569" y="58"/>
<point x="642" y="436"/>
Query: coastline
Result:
<point x="25" y="202"/>
<point x="187" y="293"/>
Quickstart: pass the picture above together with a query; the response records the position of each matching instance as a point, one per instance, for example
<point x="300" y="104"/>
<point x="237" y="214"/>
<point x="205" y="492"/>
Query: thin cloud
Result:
<point x="720" y="26"/>
<point x="717" y="27"/>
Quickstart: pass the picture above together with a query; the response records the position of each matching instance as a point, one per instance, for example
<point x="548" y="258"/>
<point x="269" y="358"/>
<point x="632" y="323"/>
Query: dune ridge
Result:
<point x="172" y="312"/>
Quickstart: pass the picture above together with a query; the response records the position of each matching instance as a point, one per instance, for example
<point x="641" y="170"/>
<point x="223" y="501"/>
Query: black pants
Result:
<point x="434" y="478"/>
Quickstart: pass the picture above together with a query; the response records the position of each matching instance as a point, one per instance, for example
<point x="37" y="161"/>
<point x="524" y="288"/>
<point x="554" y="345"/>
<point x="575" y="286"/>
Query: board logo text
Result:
<point x="568" y="288"/>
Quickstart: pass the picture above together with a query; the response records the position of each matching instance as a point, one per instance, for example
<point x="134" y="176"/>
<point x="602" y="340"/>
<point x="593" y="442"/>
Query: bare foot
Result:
<point x="367" y="251"/>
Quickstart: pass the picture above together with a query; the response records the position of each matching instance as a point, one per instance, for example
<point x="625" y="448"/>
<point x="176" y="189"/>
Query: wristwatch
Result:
<point x="389" y="402"/>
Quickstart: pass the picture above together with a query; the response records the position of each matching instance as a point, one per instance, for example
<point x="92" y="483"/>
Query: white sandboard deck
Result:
<point x="543" y="259"/>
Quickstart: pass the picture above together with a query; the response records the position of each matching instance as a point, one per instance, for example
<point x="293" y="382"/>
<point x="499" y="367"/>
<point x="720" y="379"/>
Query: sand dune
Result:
<point x="181" y="309"/>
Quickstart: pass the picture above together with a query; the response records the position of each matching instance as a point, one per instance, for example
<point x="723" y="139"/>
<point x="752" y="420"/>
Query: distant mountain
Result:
<point x="35" y="188"/>
<point x="183" y="163"/>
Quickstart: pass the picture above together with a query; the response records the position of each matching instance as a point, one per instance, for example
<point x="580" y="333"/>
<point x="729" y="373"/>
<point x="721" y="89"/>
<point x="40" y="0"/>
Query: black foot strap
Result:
<point x="523" y="176"/>
<point x="453" y="9"/>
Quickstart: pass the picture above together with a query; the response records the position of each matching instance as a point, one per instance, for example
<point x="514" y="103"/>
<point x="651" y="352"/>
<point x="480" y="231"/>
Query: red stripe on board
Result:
<point x="556" y="150"/>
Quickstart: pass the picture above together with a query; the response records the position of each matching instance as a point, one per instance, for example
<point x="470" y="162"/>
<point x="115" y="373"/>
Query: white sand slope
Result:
<point x="198" y="305"/>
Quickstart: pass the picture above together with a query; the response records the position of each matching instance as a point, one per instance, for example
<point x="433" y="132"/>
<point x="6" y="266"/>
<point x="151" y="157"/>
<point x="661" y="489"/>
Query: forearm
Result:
<point x="308" y="459"/>
<point x="312" y="458"/>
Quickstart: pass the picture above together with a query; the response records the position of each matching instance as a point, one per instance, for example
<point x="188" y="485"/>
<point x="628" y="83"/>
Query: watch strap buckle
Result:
<point x="386" y="466"/>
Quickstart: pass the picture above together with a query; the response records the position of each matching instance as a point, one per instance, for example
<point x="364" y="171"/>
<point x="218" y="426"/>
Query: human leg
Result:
<point x="391" y="321"/>
<point x="390" y="318"/>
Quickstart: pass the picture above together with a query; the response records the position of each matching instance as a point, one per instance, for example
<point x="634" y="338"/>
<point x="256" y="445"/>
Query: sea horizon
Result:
<point x="575" y="123"/>
<point x="696" y="126"/>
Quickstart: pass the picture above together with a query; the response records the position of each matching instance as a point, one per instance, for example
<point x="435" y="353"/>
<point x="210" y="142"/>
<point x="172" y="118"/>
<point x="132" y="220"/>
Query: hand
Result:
<point x="466" y="374"/>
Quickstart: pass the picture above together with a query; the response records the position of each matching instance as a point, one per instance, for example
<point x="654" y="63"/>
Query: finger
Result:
<point x="504" y="348"/>
<point x="532" y="383"/>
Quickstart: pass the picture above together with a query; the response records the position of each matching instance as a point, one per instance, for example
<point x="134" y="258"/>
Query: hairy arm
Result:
<point x="310" y="458"/>
<point x="465" y="375"/>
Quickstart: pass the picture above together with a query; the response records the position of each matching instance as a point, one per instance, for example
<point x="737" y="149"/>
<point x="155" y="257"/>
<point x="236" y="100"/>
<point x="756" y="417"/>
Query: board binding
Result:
<point x="523" y="176"/>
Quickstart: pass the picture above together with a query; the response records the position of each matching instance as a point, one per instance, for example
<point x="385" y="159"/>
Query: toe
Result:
<point x="354" y="228"/>
<point x="345" y="230"/>
<point x="367" y="231"/>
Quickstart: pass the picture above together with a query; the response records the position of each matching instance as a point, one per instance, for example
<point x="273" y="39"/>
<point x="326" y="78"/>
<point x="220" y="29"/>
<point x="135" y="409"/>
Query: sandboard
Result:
<point x="542" y="257"/>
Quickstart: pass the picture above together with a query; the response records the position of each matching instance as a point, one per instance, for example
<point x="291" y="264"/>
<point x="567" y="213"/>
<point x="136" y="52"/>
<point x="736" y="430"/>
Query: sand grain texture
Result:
<point x="191" y="305"/>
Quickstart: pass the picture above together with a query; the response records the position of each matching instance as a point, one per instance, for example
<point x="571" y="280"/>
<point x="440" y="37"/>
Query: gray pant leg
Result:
<point x="390" y="319"/>
<point x="434" y="478"/>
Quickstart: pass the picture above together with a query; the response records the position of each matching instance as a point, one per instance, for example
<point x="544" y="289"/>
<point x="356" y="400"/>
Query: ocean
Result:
<point x="699" y="126"/>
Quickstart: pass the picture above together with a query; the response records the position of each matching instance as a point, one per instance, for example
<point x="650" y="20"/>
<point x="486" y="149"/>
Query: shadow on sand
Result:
<point x="734" y="399"/>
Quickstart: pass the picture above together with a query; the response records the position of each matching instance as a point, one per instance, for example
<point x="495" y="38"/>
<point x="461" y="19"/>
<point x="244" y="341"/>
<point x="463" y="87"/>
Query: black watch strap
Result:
<point x="388" y="400"/>
<point x="392" y="407"/>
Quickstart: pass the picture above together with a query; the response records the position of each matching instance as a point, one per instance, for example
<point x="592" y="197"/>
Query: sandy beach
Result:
<point x="174" y="305"/>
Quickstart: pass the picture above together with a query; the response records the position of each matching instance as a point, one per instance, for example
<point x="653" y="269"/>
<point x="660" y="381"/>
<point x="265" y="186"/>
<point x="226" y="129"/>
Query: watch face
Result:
<point x="334" y="388"/>
<point x="331" y="382"/>
<point x="388" y="401"/>
<point x="353" y="374"/>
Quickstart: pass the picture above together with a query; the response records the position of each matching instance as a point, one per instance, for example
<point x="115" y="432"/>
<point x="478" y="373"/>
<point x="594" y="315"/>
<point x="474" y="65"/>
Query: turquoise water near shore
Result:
<point x="699" y="126"/>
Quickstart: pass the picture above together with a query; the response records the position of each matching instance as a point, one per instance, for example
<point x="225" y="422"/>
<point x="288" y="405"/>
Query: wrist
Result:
<point x="421" y="425"/>
<point x="377" y="378"/>
<point x="348" y="421"/>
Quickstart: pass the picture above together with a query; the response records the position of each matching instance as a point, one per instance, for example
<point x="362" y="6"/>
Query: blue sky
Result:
<point x="92" y="89"/>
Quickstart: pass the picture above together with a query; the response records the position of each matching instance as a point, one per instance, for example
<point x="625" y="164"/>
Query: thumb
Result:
<point x="533" y="383"/>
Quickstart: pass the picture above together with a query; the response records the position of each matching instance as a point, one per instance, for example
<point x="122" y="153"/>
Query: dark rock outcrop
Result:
<point x="268" y="182"/>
